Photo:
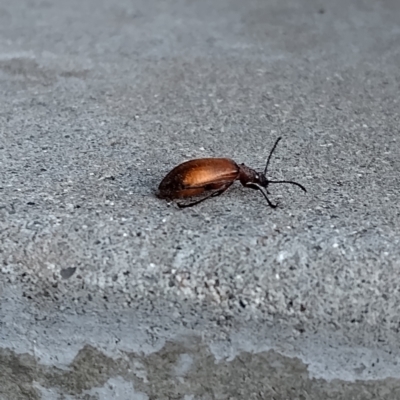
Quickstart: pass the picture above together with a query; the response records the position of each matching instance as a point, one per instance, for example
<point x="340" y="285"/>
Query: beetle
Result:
<point x="214" y="176"/>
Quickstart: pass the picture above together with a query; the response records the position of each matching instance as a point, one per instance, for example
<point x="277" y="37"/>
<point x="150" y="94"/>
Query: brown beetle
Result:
<point x="214" y="175"/>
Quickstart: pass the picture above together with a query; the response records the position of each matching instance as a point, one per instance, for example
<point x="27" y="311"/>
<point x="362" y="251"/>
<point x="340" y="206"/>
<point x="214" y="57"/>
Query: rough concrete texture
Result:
<point x="108" y="292"/>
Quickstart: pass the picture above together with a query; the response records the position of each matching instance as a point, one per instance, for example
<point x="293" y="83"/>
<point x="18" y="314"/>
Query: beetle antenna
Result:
<point x="291" y="182"/>
<point x="270" y="154"/>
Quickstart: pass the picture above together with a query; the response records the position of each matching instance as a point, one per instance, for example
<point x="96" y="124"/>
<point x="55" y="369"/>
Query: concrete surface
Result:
<point x="108" y="292"/>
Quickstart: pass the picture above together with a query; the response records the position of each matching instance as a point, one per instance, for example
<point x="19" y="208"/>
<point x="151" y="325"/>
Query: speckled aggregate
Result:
<point x="99" y="101"/>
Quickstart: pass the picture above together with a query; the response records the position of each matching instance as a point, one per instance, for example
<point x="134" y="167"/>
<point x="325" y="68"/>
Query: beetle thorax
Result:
<point x="249" y="175"/>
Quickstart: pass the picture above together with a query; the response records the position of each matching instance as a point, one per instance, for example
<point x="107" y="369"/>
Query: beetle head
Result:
<point x="251" y="178"/>
<point x="259" y="180"/>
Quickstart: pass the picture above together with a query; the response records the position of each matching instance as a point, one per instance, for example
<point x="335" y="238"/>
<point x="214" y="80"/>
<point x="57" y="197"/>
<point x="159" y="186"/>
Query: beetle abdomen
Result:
<point x="197" y="176"/>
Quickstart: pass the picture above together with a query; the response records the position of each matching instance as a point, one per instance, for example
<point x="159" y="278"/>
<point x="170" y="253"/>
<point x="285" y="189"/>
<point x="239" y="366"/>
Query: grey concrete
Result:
<point x="108" y="292"/>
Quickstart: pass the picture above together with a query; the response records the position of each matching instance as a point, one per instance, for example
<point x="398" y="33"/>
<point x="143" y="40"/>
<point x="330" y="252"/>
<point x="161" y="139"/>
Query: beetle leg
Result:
<point x="263" y="191"/>
<point x="213" y="194"/>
